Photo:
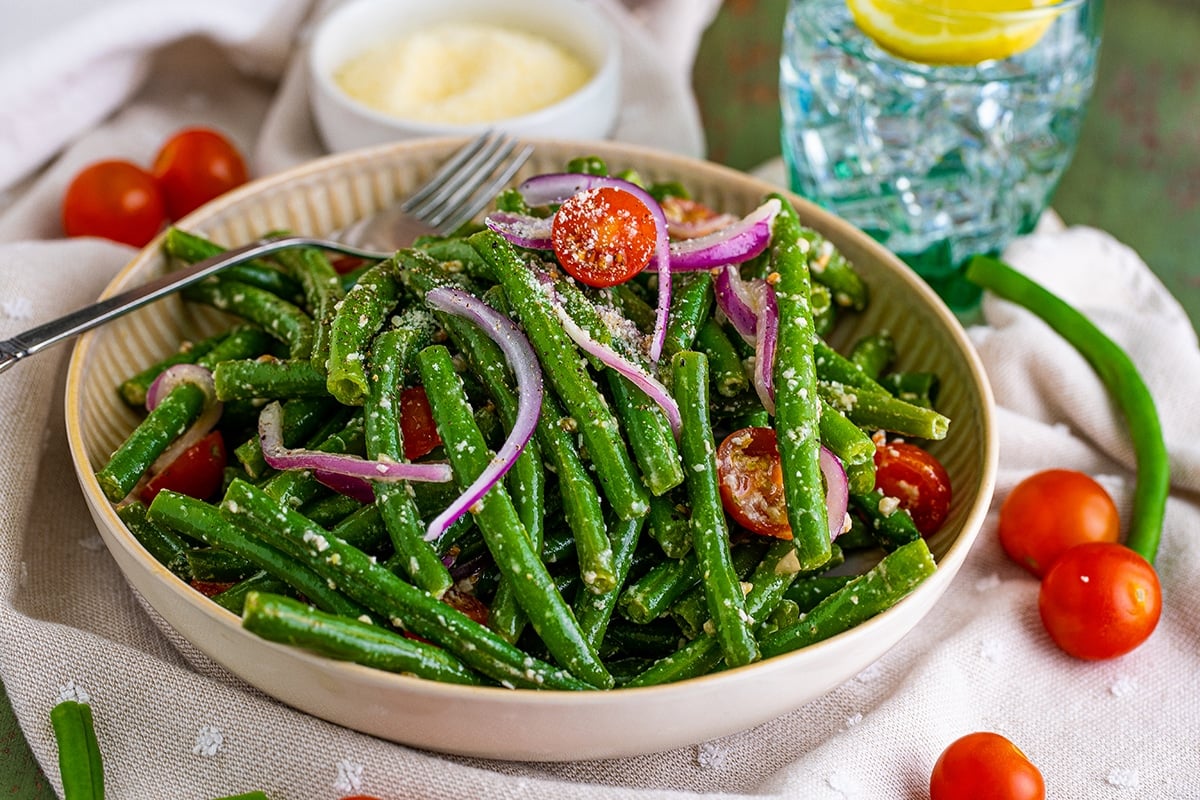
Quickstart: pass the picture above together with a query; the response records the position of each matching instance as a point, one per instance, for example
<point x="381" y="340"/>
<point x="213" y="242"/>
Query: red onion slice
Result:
<point x="542" y="190"/>
<point x="210" y="415"/>
<point x="837" y="491"/>
<point x="738" y="242"/>
<point x="766" y="334"/>
<point x="280" y="456"/>
<point x="733" y="298"/>
<point x="524" y="364"/>
<point x="639" y="377"/>
<point x="523" y="230"/>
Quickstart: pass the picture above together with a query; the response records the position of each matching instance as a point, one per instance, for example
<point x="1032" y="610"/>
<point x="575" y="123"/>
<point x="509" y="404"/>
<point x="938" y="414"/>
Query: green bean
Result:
<point x="918" y="388"/>
<point x="797" y="407"/>
<point x="690" y="611"/>
<point x="1124" y="384"/>
<point x="217" y="565"/>
<point x="824" y="309"/>
<point x="649" y="597"/>
<point x="330" y="510"/>
<point x="670" y="526"/>
<point x="287" y="621"/>
<point x="647" y="430"/>
<point x="710" y="531"/>
<point x="691" y="304"/>
<point x="192" y="248"/>
<point x="625" y="639"/>
<point x="768" y="584"/>
<point x="234" y="598"/>
<point x="254" y="795"/>
<point x="806" y="593"/>
<point x="168" y="548"/>
<point x="851" y="444"/>
<point x="133" y="389"/>
<point x="391" y="354"/>
<point x="79" y="761"/>
<point x="648" y="433"/>
<point x="507" y="539"/>
<point x="725" y="366"/>
<point x="834" y="367"/>
<point x="875" y="591"/>
<point x="633" y="306"/>
<point x="285" y="321"/>
<point x="166" y="423"/>
<point x="873" y="409"/>
<point x="874" y="353"/>
<point x="359" y="317"/>
<point x="371" y="584"/>
<point x="786" y="613"/>
<point x="594" y="610"/>
<point x="888" y="524"/>
<point x="268" y="378"/>
<point x="322" y="288"/>
<point x="567" y="373"/>
<point x="831" y="269"/>
<point x="198" y="520"/>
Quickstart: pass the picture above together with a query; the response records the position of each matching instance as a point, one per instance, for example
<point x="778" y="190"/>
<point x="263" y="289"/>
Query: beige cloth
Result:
<point x="168" y="728"/>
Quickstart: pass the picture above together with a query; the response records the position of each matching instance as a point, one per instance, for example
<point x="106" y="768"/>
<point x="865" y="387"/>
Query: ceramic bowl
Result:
<point x="355" y="27"/>
<point x="493" y="722"/>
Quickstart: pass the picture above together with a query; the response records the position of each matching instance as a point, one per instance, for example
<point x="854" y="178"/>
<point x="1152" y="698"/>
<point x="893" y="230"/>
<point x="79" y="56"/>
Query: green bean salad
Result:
<point x="598" y="440"/>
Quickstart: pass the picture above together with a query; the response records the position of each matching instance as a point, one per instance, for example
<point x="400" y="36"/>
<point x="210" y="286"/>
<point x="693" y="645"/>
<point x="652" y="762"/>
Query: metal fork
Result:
<point x="459" y="190"/>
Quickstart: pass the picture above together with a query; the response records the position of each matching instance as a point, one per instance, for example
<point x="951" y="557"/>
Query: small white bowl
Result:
<point x="358" y="26"/>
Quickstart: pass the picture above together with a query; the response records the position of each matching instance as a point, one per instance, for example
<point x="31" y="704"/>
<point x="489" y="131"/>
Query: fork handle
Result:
<point x="72" y="324"/>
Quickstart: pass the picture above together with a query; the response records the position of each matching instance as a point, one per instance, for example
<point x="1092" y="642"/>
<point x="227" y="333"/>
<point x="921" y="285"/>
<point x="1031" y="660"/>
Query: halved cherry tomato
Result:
<point x="1100" y="600"/>
<point x="1052" y="511"/>
<point x="985" y="766"/>
<point x="211" y="588"/>
<point x="196" y="472"/>
<point x="468" y="604"/>
<point x="915" y="478"/>
<point x="689" y="219"/>
<point x="751" y="481"/>
<point x="603" y="236"/>
<point x="196" y="165"/>
<point x="114" y="200"/>
<point x="416" y="423"/>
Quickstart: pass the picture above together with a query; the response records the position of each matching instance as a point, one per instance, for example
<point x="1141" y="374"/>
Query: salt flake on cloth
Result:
<point x="209" y="741"/>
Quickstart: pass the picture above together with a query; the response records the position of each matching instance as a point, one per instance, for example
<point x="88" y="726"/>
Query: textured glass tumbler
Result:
<point x="939" y="147"/>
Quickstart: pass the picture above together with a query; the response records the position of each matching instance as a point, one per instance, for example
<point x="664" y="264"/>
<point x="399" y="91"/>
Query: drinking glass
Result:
<point x="942" y="151"/>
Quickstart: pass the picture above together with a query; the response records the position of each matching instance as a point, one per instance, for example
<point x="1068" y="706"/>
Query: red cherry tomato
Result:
<point x="416" y="423"/>
<point x="751" y="481"/>
<point x="468" y="604"/>
<point x="211" y="588"/>
<point x="1100" y="600"/>
<point x="114" y="200"/>
<point x="196" y="472"/>
<point x="689" y="219"/>
<point x="915" y="478"/>
<point x="985" y="766"/>
<point x="196" y="165"/>
<point x="1052" y="511"/>
<point x="603" y="236"/>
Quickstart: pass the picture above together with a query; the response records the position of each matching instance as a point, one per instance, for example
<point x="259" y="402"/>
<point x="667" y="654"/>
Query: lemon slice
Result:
<point x="959" y="32"/>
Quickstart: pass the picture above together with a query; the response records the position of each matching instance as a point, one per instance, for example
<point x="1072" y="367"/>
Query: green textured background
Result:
<point x="1136" y="173"/>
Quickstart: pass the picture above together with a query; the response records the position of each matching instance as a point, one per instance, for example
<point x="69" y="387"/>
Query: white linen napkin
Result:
<point x="167" y="728"/>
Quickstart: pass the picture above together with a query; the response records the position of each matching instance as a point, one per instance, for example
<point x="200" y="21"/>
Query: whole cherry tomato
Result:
<point x="603" y="236"/>
<point x="196" y="165"/>
<point x="985" y="766"/>
<point x="1100" y="600"/>
<point x="915" y="478"/>
<point x="751" y="480"/>
<point x="114" y="200"/>
<point x="1052" y="511"/>
<point x="417" y="428"/>
<point x="196" y="472"/>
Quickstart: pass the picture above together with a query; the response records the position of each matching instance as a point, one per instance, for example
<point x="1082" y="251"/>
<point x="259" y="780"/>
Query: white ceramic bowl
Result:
<point x="360" y="25"/>
<point x="493" y="722"/>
